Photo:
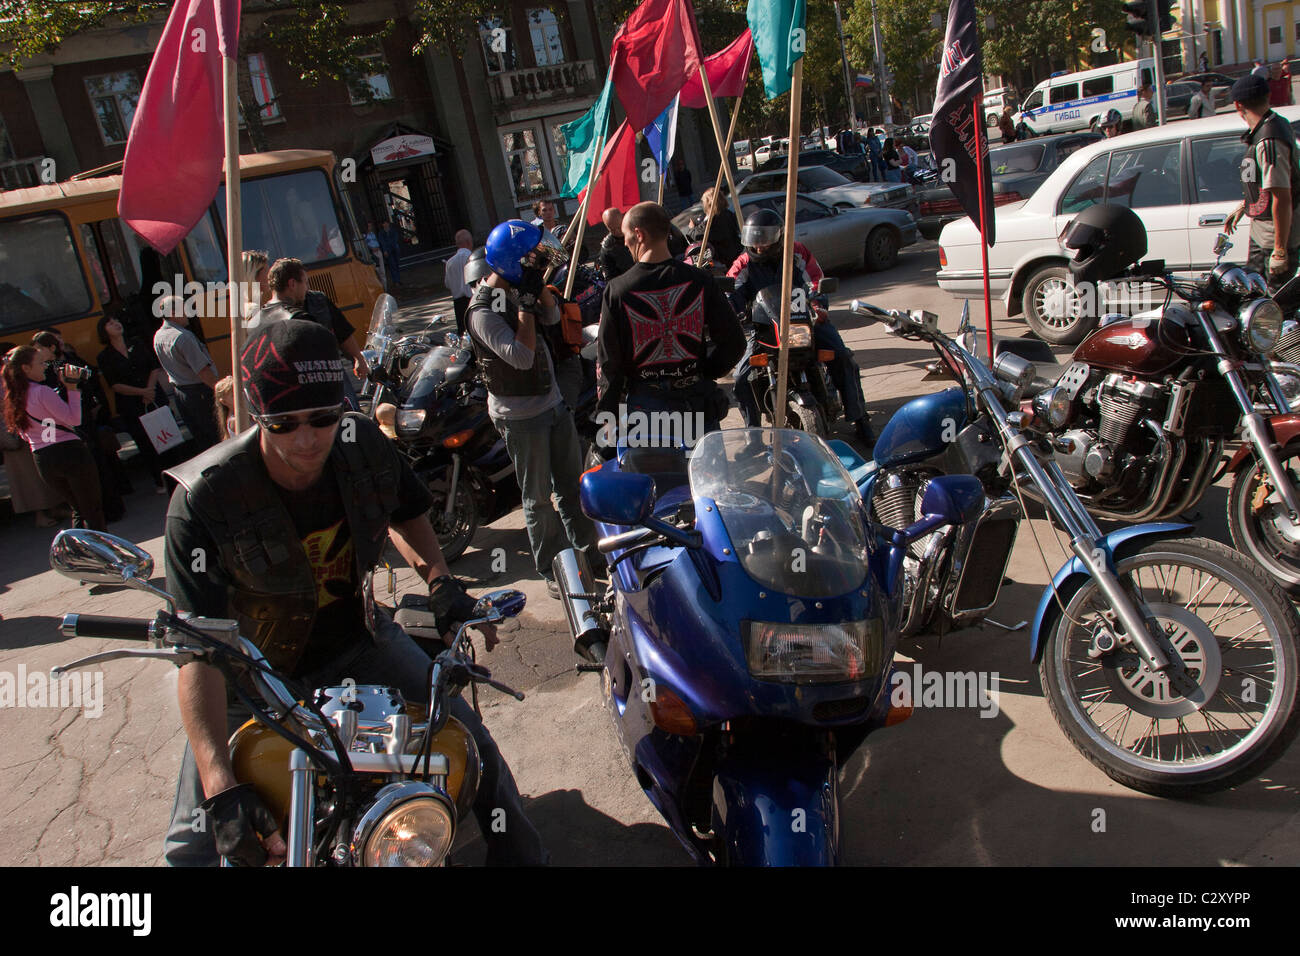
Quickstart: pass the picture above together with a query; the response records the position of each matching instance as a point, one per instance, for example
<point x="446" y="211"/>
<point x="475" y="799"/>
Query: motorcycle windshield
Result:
<point x="790" y="508"/>
<point x="383" y="324"/>
<point x="433" y="372"/>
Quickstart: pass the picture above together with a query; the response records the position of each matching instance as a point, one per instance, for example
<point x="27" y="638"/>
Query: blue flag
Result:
<point x="780" y="38"/>
<point x="580" y="142"/>
<point x="661" y="135"/>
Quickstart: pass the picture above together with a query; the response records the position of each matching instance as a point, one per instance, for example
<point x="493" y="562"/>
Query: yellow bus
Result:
<point x="66" y="259"/>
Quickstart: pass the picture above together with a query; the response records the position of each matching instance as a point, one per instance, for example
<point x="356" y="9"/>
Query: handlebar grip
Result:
<point x="100" y="625"/>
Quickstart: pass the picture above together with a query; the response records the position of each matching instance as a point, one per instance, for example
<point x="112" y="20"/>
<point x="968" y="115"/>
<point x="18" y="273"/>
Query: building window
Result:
<point x="6" y="147"/>
<point x="113" y="97"/>
<point x="263" y="90"/>
<point x="548" y="48"/>
<point x="498" y="45"/>
<point x="524" y="160"/>
<point x="1274" y="35"/>
<point x="372" y="86"/>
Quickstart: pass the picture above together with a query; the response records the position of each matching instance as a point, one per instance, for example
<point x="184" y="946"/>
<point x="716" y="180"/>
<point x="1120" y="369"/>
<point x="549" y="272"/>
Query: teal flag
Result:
<point x="580" y="141"/>
<point x="779" y="40"/>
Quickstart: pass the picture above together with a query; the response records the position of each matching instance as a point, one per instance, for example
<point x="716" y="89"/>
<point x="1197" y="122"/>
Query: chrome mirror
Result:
<point x="97" y="557"/>
<point x="497" y="605"/>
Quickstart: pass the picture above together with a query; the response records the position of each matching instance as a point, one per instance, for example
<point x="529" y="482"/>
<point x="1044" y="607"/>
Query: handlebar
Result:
<point x="113" y="628"/>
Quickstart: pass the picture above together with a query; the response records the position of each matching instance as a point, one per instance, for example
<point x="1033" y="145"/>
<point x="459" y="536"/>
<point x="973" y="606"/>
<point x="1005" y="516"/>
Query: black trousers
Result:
<point x="198" y="406"/>
<point x="69" y="468"/>
<point x="461" y="306"/>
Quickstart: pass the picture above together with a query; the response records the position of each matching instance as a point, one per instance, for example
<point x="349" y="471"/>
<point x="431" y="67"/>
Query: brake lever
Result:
<point x="180" y="657"/>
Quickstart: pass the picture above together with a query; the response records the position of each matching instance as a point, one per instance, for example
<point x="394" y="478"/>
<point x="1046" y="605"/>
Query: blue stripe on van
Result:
<point x="1086" y="101"/>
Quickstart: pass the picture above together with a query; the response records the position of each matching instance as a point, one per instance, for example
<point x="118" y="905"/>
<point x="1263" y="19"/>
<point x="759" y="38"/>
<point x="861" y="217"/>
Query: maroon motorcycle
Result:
<point x="1141" y="417"/>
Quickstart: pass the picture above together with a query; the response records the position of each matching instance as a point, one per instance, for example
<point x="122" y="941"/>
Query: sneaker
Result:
<point x="553" y="588"/>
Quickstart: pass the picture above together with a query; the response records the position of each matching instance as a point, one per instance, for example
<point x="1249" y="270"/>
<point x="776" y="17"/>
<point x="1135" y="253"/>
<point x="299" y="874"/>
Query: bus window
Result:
<point x="96" y="260"/>
<point x="290" y="216"/>
<point x="206" y="250"/>
<point x="40" y="273"/>
<point x="123" y="248"/>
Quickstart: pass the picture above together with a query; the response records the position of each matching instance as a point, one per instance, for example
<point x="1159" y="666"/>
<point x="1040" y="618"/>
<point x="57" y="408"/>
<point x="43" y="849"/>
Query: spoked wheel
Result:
<point x="455" y="531"/>
<point x="1053" y="309"/>
<point x="1221" y="714"/>
<point x="1259" y="523"/>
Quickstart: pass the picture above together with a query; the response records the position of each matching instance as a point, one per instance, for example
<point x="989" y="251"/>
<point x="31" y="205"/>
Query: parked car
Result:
<point x="771" y="150"/>
<point x="995" y="100"/>
<point x="1183" y="180"/>
<point x="851" y="165"/>
<point x="853" y="238"/>
<point x="1178" y="97"/>
<point x="834" y="189"/>
<point x="1018" y="170"/>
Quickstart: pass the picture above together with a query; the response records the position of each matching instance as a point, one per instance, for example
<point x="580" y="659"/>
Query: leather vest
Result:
<point x="1272" y="126"/>
<point x="272" y="590"/>
<point x="503" y="378"/>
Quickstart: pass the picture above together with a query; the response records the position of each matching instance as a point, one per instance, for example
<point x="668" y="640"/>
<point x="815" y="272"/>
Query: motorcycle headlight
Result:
<point x="409" y="421"/>
<point x="1261" y="325"/>
<point x="409" y="824"/>
<point x="1053" y="406"/>
<point x="814" y="653"/>
<point x="801" y="336"/>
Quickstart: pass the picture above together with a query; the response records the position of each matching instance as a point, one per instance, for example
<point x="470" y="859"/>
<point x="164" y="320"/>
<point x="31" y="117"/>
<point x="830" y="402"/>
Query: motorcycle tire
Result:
<point x="1209" y="640"/>
<point x="1259" y="530"/>
<point x="454" y="536"/>
<point x="1051" y="281"/>
<point x="806" y="419"/>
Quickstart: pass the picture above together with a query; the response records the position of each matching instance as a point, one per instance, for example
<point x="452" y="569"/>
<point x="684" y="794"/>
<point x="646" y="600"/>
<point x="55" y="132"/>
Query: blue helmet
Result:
<point x="507" y="245"/>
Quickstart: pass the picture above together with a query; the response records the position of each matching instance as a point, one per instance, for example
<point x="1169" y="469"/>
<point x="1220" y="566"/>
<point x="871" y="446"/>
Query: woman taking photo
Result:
<point x="132" y="372"/>
<point x="36" y="413"/>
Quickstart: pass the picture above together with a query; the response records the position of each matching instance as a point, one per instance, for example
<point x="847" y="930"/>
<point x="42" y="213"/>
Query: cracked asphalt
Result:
<point x="947" y="787"/>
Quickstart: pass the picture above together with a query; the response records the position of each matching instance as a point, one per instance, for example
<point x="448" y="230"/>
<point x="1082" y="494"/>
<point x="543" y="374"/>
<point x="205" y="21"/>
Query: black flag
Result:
<point x="956" y="116"/>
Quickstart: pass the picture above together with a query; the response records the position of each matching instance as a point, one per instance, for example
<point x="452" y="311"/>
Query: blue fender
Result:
<point x="777" y="812"/>
<point x="1072" y="576"/>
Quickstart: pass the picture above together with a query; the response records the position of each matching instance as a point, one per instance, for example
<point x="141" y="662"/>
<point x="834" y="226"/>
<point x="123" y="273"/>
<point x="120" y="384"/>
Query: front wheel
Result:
<point x="454" y="531"/>
<point x="1232" y="634"/>
<point x="806" y="419"/>
<point x="1259" y="523"/>
<point x="1053" y="309"/>
<point x="882" y="249"/>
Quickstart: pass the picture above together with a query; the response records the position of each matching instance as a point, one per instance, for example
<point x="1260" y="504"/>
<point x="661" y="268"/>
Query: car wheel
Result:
<point x="1053" y="309"/>
<point x="882" y="249"/>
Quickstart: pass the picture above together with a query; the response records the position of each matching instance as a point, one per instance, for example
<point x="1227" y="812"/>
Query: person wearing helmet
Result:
<point x="666" y="333"/>
<point x="758" y="267"/>
<point x="1270" y="179"/>
<point x="454" y="277"/>
<point x="1110" y="123"/>
<point x="1106" y="239"/>
<point x="524" y="399"/>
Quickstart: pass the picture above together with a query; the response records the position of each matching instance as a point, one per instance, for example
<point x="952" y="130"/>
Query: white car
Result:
<point x="828" y="186"/>
<point x="1183" y="179"/>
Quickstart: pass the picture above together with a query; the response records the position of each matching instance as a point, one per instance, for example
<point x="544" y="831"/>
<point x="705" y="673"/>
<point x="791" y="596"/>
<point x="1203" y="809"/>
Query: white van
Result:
<point x="994" y="100"/>
<point x="1073" y="101"/>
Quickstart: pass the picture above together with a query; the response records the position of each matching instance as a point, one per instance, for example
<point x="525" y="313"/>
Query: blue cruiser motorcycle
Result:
<point x="1169" y="661"/>
<point x="747" y="634"/>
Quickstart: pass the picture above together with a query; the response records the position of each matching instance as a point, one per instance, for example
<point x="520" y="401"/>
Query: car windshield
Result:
<point x="1023" y="158"/>
<point x="433" y="371"/>
<point x="820" y="177"/>
<point x="793" y="514"/>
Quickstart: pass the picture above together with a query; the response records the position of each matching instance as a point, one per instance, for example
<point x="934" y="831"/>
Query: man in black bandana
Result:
<point x="277" y="528"/>
<point x="1270" y="178"/>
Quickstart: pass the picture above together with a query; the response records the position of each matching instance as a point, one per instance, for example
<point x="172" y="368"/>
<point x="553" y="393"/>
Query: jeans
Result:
<point x="1257" y="261"/>
<point x="569" y="378"/>
<point x="843" y="369"/>
<point x="393" y="659"/>
<point x="704" y="399"/>
<point x="69" y="468"/>
<point x="893" y="175"/>
<point x="548" y="458"/>
<point x="743" y="382"/>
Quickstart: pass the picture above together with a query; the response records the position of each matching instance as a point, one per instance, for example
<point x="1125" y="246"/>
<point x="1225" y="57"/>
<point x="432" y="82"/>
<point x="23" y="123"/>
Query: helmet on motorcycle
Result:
<point x="476" y="267"/>
<point x="1112" y="118"/>
<point x="763" y="228"/>
<point x="1106" y="239"/>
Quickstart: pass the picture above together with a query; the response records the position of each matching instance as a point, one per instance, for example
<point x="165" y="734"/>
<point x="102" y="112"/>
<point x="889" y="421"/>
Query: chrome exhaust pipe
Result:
<point x="577" y="590"/>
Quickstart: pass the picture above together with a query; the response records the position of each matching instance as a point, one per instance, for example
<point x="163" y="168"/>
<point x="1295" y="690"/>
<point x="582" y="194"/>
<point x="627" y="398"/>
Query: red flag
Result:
<point x="654" y="53"/>
<point x="174" y="153"/>
<point x="615" y="177"/>
<point x="728" y="71"/>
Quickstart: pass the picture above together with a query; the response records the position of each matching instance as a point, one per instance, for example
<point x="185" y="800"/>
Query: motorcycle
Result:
<point x="747" y="634"/>
<point x="1140" y="417"/>
<point x="1170" y="662"/>
<point x="812" y="403"/>
<point x="354" y="775"/>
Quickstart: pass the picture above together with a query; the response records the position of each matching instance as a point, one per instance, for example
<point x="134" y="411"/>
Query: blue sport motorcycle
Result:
<point x="747" y="633"/>
<point x="1169" y="661"/>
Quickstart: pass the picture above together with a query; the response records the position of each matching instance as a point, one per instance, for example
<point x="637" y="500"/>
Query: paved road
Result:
<point x="946" y="787"/>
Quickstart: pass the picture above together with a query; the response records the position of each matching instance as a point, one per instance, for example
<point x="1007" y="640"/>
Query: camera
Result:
<point x="75" y="373"/>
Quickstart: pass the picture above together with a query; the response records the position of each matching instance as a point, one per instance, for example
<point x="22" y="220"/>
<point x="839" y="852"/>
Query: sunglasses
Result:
<point x="286" y="424"/>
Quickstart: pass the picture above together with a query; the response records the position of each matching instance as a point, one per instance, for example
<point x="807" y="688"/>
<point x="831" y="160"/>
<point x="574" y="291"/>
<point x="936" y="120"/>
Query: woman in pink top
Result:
<point x="37" y="413"/>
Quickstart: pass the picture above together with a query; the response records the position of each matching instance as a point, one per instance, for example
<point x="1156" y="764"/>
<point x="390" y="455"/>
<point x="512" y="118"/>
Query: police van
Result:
<point x="1071" y="101"/>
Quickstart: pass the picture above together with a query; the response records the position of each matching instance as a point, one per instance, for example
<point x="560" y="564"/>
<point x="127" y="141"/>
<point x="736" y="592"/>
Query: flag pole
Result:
<point x="722" y="147"/>
<point x="717" y="184"/>
<point x="984" y="246"/>
<point x="234" y="237"/>
<point x="582" y="215"/>
<point x="787" y="256"/>
<point x="662" y="177"/>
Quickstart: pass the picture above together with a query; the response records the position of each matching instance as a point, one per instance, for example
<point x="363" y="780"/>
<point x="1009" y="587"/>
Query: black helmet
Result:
<point x="476" y="267"/>
<point x="763" y="227"/>
<point x="1112" y="118"/>
<point x="1107" y="239"/>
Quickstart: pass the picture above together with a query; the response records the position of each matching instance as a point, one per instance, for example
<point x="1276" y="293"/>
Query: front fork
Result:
<point x="451" y="487"/>
<point x="1085" y="536"/>
<point x="1254" y="424"/>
